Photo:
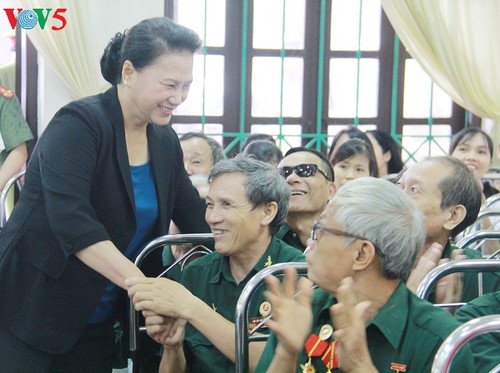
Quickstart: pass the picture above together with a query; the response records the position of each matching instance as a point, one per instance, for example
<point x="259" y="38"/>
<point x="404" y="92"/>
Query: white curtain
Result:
<point x="67" y="51"/>
<point x="457" y="42"/>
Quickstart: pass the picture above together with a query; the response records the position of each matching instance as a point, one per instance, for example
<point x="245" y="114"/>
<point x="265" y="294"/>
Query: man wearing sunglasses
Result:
<point x="310" y="178"/>
<point x="363" y="317"/>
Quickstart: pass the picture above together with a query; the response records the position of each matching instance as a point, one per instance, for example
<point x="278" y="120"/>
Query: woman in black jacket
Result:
<point x="106" y="177"/>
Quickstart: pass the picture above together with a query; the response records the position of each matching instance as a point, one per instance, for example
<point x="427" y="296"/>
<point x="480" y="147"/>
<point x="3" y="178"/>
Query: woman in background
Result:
<point x="106" y="177"/>
<point x="475" y="148"/>
<point x="351" y="132"/>
<point x="353" y="159"/>
<point x="387" y="152"/>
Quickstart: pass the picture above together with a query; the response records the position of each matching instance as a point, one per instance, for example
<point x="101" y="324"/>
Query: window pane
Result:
<point x="214" y="88"/>
<point x="345" y="25"/>
<point x="213" y="130"/>
<point x="417" y="94"/>
<point x="344" y="96"/>
<point x="291" y="134"/>
<point x="191" y="13"/>
<point x="266" y="87"/>
<point x="268" y="24"/>
<point x="415" y="140"/>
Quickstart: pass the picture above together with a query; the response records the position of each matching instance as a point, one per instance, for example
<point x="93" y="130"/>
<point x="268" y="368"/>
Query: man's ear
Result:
<point x="331" y="190"/>
<point x="269" y="213"/>
<point x="364" y="255"/>
<point x="455" y="215"/>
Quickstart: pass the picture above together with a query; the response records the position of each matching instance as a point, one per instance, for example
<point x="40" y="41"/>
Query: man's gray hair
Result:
<point x="458" y="187"/>
<point x="382" y="213"/>
<point x="264" y="184"/>
<point x="216" y="149"/>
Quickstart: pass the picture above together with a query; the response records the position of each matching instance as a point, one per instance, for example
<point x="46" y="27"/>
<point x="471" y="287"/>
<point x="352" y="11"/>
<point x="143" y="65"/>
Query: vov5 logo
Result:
<point x="29" y="18"/>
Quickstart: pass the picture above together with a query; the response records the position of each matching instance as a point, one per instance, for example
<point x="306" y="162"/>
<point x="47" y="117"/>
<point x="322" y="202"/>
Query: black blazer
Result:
<point x="77" y="192"/>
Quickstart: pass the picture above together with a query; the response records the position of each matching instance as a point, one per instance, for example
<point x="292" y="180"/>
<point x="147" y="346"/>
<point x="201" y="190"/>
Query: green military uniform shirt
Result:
<point x="406" y="332"/>
<point x="168" y="259"/>
<point x="209" y="278"/>
<point x="8" y="74"/>
<point x="286" y="234"/>
<point x="485" y="347"/>
<point x="13" y="127"/>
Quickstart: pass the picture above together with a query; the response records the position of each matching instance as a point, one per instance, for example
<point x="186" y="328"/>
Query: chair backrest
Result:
<point x="490" y="201"/>
<point x="452" y="344"/>
<point x="197" y="239"/>
<point x="491" y="209"/>
<point x="474" y="265"/>
<point x="3" y="195"/>
<point x="242" y="319"/>
<point x="475" y="239"/>
<point x="478" y="236"/>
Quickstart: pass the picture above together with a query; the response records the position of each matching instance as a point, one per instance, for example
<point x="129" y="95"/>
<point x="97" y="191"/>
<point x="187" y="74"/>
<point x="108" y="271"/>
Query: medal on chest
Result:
<point x="317" y="345"/>
<point x="264" y="311"/>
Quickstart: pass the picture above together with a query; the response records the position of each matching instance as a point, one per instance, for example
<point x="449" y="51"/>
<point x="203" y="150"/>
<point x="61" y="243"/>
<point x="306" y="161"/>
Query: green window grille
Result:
<point x="302" y="70"/>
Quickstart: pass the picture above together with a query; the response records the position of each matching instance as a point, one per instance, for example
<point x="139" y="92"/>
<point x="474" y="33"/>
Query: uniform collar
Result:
<point x="392" y="318"/>
<point x="286" y="234"/>
<point x="267" y="259"/>
<point x="447" y="250"/>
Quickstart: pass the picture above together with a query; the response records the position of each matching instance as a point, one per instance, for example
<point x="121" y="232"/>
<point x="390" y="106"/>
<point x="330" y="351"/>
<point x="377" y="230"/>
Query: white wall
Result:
<point x="106" y="19"/>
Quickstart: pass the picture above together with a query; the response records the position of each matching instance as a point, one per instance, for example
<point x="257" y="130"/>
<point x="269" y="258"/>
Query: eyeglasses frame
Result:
<point x="318" y="226"/>
<point x="321" y="171"/>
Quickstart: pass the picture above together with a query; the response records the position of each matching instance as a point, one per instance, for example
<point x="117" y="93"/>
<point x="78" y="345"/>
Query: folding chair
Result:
<point x="452" y="344"/>
<point x="197" y="239"/>
<point x="490" y="201"/>
<point x="3" y="195"/>
<point x="481" y="235"/>
<point x="475" y="265"/>
<point x="489" y="208"/>
<point x="243" y="336"/>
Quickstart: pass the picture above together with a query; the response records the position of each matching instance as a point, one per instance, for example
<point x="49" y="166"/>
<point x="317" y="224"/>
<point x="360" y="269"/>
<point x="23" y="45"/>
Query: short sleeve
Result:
<point x="13" y="127"/>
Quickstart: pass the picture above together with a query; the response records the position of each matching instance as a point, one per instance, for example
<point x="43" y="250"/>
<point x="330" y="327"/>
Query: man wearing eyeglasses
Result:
<point x="363" y="317"/>
<point x="310" y="176"/>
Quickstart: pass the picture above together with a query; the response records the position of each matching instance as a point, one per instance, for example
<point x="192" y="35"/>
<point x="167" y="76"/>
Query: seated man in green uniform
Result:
<point x="361" y="251"/>
<point x="485" y="347"/>
<point x="246" y="202"/>
<point x="14" y="133"/>
<point x="310" y="176"/>
<point x="448" y="195"/>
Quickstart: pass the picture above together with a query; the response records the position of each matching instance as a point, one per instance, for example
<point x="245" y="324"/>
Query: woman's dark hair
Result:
<point x="263" y="150"/>
<point x="144" y="43"/>
<point x="353" y="133"/>
<point x="468" y="133"/>
<point x="388" y="144"/>
<point x="355" y="147"/>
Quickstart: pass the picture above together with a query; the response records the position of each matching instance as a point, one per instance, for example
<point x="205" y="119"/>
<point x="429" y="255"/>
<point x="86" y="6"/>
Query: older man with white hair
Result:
<point x="362" y="249"/>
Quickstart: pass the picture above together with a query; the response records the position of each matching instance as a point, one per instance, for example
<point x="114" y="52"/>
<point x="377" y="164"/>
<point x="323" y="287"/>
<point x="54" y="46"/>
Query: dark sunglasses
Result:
<point x="302" y="170"/>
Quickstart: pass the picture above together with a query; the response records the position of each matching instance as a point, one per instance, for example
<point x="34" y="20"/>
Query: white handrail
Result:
<point x="3" y="196"/>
